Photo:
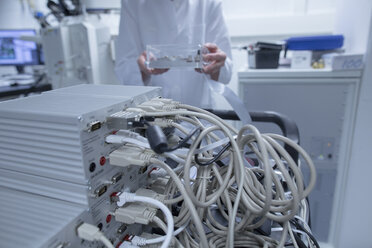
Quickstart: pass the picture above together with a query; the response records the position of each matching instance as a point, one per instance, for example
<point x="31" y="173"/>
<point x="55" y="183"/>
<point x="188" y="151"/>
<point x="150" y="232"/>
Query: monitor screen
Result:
<point x="16" y="51"/>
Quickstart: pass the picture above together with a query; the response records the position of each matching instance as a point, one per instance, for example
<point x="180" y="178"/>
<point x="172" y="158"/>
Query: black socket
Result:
<point x="92" y="167"/>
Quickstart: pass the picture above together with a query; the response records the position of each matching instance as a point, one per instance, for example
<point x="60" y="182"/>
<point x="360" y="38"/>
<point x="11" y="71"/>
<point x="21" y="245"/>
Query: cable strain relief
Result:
<point x="99" y="235"/>
<point x="147" y="156"/>
<point x="150" y="215"/>
<point x="126" y="197"/>
<point x="138" y="241"/>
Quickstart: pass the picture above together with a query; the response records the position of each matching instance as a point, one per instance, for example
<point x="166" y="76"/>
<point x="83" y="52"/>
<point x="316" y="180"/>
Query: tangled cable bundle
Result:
<point x="233" y="188"/>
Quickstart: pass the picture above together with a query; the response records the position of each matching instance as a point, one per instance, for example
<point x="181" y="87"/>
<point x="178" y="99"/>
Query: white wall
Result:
<point x="352" y="19"/>
<point x="279" y="17"/>
<point x="353" y="228"/>
<point x="15" y="14"/>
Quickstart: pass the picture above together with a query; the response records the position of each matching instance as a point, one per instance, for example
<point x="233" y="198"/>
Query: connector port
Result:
<point x="114" y="197"/>
<point x="122" y="229"/>
<point x="92" y="167"/>
<point x="117" y="177"/>
<point x="93" y="126"/>
<point x="100" y="190"/>
<point x="142" y="170"/>
<point x="77" y="227"/>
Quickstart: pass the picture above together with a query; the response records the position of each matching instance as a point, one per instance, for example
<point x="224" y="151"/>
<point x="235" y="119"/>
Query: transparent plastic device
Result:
<point x="175" y="56"/>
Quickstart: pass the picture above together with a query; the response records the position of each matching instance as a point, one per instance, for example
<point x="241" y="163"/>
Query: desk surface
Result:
<point x="8" y="91"/>
<point x="13" y="85"/>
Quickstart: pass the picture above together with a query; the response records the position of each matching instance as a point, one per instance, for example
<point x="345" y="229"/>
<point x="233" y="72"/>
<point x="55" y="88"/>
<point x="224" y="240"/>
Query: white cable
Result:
<point x="188" y="202"/>
<point x="239" y="161"/>
<point x="106" y="242"/>
<point x="246" y="196"/>
<point x="160" y="239"/>
<point x="212" y="146"/>
<point x="130" y="197"/>
<point x="174" y="157"/>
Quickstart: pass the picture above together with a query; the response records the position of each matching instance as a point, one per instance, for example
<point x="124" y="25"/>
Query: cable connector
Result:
<point x="135" y="213"/>
<point x="131" y="155"/>
<point x="159" y="104"/>
<point x="156" y="173"/>
<point x="169" y="104"/>
<point x="127" y="244"/>
<point x="163" y="122"/>
<point x="145" y="240"/>
<point x="139" y="241"/>
<point x="131" y="134"/>
<point x="88" y="232"/>
<point x="146" y="215"/>
<point x="151" y="194"/>
<point x="124" y="119"/>
<point x="118" y="139"/>
<point x="159" y="185"/>
<point x="92" y="233"/>
<point x="124" y="197"/>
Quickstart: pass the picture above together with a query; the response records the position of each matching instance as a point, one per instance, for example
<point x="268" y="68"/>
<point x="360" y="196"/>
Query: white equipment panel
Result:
<point x="323" y="105"/>
<point x="54" y="161"/>
<point x="79" y="51"/>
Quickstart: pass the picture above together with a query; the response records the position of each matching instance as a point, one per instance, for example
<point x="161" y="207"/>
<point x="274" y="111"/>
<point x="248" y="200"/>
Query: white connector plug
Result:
<point x="159" y="104"/>
<point x="151" y="194"/>
<point x="151" y="241"/>
<point x="92" y="233"/>
<point x="157" y="173"/>
<point x="88" y="232"/>
<point x="127" y="244"/>
<point x="118" y="139"/>
<point x="125" y="197"/>
<point x="135" y="213"/>
<point x="159" y="185"/>
<point x="130" y="134"/>
<point x="131" y="155"/>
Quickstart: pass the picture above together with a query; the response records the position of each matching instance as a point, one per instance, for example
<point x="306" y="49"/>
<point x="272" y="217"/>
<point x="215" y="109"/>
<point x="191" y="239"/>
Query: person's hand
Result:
<point x="216" y="58"/>
<point x="145" y="71"/>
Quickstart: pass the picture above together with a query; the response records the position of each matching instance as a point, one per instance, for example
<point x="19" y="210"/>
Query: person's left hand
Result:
<point x="216" y="58"/>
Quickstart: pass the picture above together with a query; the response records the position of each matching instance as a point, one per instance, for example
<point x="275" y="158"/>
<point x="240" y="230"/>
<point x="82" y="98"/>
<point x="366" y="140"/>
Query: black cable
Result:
<point x="56" y="10"/>
<point x="214" y="159"/>
<point x="184" y="141"/>
<point x="299" y="242"/>
<point x="299" y="226"/>
<point x="158" y="141"/>
<point x="35" y="84"/>
<point x="73" y="8"/>
<point x="308" y="209"/>
<point x="220" y="163"/>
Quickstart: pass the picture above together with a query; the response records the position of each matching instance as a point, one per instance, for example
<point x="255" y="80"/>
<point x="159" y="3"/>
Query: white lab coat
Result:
<point x="147" y="22"/>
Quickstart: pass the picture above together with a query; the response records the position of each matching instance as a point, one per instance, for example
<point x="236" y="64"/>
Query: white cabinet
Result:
<point x="323" y="104"/>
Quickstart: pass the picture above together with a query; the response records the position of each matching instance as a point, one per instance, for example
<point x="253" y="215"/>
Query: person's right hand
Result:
<point x="145" y="71"/>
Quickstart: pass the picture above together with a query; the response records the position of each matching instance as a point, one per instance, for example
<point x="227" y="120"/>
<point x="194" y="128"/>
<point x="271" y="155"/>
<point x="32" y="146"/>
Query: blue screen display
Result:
<point x="15" y="49"/>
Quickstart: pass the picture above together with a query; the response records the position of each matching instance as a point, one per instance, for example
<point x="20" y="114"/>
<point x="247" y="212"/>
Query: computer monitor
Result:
<point x="15" y="50"/>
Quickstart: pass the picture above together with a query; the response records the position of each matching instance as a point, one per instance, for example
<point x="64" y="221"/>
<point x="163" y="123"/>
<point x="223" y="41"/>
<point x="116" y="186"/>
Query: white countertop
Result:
<point x="297" y="73"/>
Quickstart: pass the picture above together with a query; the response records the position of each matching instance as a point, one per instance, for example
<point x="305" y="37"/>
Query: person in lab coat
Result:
<point x="155" y="22"/>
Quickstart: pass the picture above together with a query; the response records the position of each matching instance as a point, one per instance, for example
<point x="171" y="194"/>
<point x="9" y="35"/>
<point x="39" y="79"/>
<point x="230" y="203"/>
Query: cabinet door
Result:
<point x="324" y="111"/>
